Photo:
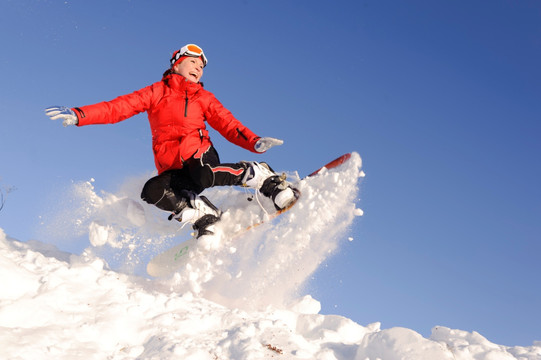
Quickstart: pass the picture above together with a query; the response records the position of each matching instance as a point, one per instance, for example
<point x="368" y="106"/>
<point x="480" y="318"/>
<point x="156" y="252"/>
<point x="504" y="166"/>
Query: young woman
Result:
<point x="178" y="109"/>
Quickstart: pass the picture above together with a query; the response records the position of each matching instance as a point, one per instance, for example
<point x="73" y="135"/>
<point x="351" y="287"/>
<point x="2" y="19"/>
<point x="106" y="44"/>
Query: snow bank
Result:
<point x="241" y="300"/>
<point x="61" y="306"/>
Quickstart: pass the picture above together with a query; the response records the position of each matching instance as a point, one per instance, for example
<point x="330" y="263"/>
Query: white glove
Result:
<point x="265" y="143"/>
<point x="62" y="112"/>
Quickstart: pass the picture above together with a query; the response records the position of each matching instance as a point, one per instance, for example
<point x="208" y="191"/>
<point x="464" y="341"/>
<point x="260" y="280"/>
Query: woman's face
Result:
<point x="191" y="68"/>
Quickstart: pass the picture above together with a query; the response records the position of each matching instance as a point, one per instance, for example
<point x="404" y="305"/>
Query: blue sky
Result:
<point x="440" y="98"/>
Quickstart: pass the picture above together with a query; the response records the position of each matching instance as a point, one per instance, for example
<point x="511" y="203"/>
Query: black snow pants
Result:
<point x="170" y="190"/>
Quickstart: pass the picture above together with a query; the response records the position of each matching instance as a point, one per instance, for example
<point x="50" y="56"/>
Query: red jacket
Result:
<point x="177" y="110"/>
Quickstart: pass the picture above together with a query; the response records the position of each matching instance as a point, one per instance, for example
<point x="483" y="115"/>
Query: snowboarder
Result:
<point x="187" y="162"/>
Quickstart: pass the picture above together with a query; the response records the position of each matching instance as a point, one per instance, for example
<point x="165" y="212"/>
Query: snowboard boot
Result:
<point x="261" y="177"/>
<point x="199" y="211"/>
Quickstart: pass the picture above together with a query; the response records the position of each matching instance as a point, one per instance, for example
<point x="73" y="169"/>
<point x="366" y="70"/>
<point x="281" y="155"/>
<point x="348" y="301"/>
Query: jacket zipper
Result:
<point x="186" y="105"/>
<point x="241" y="134"/>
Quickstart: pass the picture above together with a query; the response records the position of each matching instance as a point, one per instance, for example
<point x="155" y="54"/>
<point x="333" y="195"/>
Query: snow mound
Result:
<point x="242" y="300"/>
<point x="60" y="306"/>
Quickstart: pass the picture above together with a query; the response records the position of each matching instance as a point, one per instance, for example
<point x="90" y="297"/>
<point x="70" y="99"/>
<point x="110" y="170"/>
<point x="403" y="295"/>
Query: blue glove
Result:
<point x="265" y="143"/>
<point x="62" y="112"/>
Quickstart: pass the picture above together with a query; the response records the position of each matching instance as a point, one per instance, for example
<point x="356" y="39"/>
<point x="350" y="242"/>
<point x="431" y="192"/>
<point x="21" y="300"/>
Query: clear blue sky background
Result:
<point x="440" y="98"/>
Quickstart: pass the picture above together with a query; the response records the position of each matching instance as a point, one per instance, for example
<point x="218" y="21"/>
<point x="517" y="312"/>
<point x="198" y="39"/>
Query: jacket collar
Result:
<point x="180" y="83"/>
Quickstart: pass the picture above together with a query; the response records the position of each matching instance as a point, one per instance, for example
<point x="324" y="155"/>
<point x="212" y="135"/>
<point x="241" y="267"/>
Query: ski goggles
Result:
<point x="189" y="50"/>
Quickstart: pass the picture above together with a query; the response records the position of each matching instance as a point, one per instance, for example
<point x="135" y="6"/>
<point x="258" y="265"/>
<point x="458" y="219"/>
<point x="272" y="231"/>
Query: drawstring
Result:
<point x="251" y="197"/>
<point x="259" y="202"/>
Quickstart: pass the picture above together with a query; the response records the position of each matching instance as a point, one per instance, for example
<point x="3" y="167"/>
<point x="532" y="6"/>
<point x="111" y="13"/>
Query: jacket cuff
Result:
<point x="80" y="114"/>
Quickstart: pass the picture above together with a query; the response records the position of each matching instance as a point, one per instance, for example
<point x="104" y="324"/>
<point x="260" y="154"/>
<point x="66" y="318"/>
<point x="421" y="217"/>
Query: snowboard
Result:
<point x="179" y="255"/>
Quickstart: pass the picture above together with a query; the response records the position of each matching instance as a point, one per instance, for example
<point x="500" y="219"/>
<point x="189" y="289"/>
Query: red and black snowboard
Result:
<point x="180" y="255"/>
